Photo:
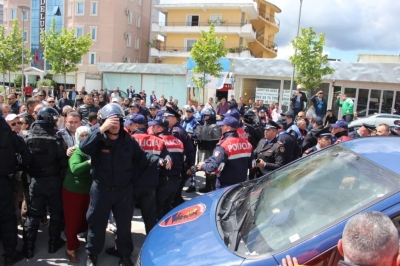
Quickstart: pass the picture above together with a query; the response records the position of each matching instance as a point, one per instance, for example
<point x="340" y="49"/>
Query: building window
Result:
<point x="138" y="21"/>
<point x="93" y="8"/>
<point x="92" y="58"/>
<point x="129" y="17"/>
<point x="189" y="43"/>
<point x="139" y="2"/>
<point x="69" y="13"/>
<point x="78" y="32"/>
<point x="25" y="15"/>
<point x="13" y="14"/>
<point x="93" y="33"/>
<point x="25" y="36"/>
<point x="216" y="19"/>
<point x="80" y="8"/>
<point x="192" y="20"/>
<point x="128" y="39"/>
<point x="137" y="43"/>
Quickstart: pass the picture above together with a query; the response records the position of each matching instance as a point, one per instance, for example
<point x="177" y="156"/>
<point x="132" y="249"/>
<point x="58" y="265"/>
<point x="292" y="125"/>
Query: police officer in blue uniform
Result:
<point x="176" y="130"/>
<point x="292" y="148"/>
<point x="324" y="139"/>
<point x="10" y="145"/>
<point x="169" y="179"/>
<point x="46" y="173"/>
<point x="113" y="153"/>
<point x="270" y="153"/>
<point x="232" y="156"/>
<point x="152" y="112"/>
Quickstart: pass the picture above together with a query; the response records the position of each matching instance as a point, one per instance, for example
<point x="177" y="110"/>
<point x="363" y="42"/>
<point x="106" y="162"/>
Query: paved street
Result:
<point x="42" y="257"/>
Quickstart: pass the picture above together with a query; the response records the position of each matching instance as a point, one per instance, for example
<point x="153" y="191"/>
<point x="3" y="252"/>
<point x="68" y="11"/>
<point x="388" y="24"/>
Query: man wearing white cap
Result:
<point x="297" y="100"/>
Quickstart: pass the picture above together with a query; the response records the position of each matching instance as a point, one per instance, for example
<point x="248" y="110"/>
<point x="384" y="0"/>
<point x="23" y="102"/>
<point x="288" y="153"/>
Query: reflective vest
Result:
<point x="237" y="148"/>
<point x="242" y="134"/>
<point x="173" y="144"/>
<point x="150" y="143"/>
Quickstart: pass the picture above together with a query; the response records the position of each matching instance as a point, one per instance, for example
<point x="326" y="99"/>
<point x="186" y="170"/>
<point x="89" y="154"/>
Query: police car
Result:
<point x="298" y="210"/>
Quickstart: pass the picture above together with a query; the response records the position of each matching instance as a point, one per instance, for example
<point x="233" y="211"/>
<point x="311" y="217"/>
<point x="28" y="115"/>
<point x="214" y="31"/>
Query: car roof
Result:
<point x="383" y="151"/>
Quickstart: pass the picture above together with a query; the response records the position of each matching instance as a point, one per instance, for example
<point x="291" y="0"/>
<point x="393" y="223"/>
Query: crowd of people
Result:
<point x="87" y="159"/>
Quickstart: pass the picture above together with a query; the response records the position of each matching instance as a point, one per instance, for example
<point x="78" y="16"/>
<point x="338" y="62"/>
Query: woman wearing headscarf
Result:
<point x="76" y="186"/>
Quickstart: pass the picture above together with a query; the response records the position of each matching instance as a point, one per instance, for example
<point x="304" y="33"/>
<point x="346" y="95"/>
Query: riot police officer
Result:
<point x="270" y="153"/>
<point x="169" y="179"/>
<point x="46" y="172"/>
<point x="232" y="156"/>
<point x="113" y="152"/>
<point x="176" y="130"/>
<point x="207" y="138"/>
<point x="10" y="145"/>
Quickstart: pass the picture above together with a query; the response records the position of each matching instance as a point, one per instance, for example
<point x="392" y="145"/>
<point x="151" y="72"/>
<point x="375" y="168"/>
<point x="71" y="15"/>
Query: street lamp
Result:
<point x="23" y="10"/>
<point x="295" y="51"/>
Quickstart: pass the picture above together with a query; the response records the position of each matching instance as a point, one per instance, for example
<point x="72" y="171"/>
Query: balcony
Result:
<point x="184" y="52"/>
<point x="243" y="30"/>
<point x="267" y="45"/>
<point x="269" y="18"/>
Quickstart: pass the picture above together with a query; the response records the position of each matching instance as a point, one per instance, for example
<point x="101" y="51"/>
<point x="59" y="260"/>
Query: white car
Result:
<point x="375" y="119"/>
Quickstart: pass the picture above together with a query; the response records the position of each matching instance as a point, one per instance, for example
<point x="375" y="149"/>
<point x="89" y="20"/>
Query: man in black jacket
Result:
<point x="311" y="139"/>
<point x="298" y="100"/>
<point x="87" y="108"/>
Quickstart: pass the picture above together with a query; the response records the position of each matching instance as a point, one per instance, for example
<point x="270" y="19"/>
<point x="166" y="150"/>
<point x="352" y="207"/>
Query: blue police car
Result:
<point x="298" y="210"/>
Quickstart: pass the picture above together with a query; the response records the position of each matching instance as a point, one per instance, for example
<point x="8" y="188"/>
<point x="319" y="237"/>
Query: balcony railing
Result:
<point x="268" y="44"/>
<point x="199" y="24"/>
<point x="271" y="19"/>
<point x="174" y="49"/>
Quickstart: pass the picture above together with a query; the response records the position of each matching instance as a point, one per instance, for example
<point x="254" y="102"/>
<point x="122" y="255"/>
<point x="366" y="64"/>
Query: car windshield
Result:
<point x="302" y="198"/>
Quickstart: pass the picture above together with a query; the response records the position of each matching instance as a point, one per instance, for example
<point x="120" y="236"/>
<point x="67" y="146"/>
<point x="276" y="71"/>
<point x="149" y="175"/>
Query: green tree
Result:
<point x="11" y="50"/>
<point x="63" y="50"/>
<point x="310" y="63"/>
<point x="206" y="52"/>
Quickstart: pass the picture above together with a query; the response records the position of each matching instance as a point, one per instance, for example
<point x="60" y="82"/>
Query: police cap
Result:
<point x="133" y="104"/>
<point x="324" y="133"/>
<point x="369" y="126"/>
<point x="161" y="121"/>
<point x="318" y="120"/>
<point x="288" y="114"/>
<point x="229" y="121"/>
<point x="272" y="125"/>
<point x="137" y="96"/>
<point x="233" y="113"/>
<point x="171" y="112"/>
<point x="153" y="106"/>
<point x="189" y="109"/>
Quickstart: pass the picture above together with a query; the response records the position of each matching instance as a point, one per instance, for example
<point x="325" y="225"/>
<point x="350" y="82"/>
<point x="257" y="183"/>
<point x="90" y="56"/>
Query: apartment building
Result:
<point x="249" y="26"/>
<point x="1" y="12"/>
<point x="119" y="29"/>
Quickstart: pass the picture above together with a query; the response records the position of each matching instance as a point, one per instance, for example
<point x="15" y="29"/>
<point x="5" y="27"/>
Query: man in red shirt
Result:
<point x="28" y="91"/>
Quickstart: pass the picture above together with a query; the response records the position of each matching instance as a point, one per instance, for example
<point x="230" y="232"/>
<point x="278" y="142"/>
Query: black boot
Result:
<point x="29" y="247"/>
<point x="113" y="252"/>
<point x="91" y="260"/>
<point x="125" y="261"/>
<point x="12" y="258"/>
<point x="55" y="244"/>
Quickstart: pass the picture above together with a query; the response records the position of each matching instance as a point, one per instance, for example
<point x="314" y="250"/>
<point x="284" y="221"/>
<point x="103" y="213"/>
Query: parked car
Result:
<point x="375" y="119"/>
<point x="298" y="210"/>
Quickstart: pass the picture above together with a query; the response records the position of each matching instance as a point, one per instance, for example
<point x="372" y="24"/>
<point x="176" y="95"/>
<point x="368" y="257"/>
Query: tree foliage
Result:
<point x="63" y="50"/>
<point x="206" y="52"/>
<point x="11" y="50"/>
<point x="310" y="63"/>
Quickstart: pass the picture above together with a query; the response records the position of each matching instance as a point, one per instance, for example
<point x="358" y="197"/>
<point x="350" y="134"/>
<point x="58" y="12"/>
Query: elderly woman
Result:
<point x="76" y="186"/>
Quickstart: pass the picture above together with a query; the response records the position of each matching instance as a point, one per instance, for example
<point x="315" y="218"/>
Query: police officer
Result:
<point x="10" y="145"/>
<point x="152" y="112"/>
<point x="270" y="153"/>
<point x="311" y="139"/>
<point x="46" y="173"/>
<point x="232" y="156"/>
<point x="324" y="139"/>
<point x="363" y="131"/>
<point x="176" y="130"/>
<point x="145" y="181"/>
<point x="292" y="148"/>
<point x="207" y="138"/>
<point x="113" y="152"/>
<point x="169" y="178"/>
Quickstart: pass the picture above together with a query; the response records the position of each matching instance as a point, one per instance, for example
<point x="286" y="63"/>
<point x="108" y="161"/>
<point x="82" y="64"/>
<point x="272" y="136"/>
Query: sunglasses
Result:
<point x="41" y="95"/>
<point x="15" y="123"/>
<point x="50" y="101"/>
<point x="10" y="98"/>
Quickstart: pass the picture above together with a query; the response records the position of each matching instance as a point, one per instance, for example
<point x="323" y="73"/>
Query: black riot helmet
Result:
<point x="111" y="109"/>
<point x="250" y="118"/>
<point x="47" y="115"/>
<point x="210" y="112"/>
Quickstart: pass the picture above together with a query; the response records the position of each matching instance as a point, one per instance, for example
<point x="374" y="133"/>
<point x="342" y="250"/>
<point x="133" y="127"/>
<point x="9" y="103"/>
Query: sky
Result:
<point x="351" y="27"/>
